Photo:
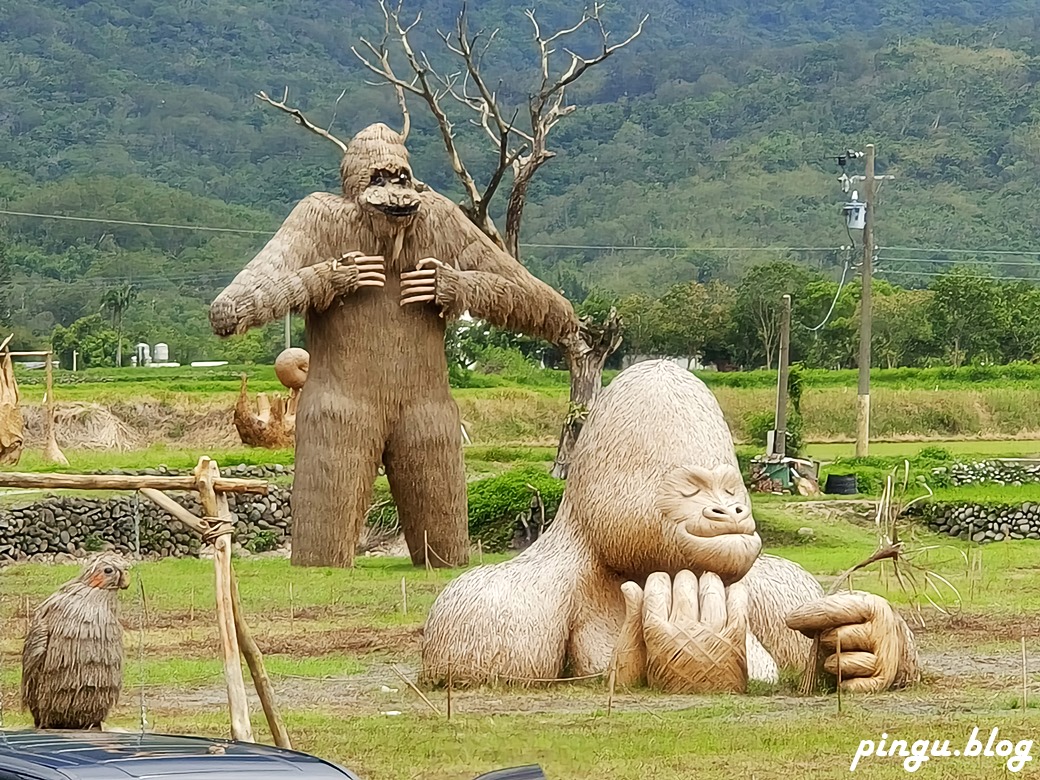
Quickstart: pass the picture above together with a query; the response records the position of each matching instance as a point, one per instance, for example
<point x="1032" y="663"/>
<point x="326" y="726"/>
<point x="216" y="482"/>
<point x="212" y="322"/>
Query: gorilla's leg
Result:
<point x="428" y="481"/>
<point x="339" y="441"/>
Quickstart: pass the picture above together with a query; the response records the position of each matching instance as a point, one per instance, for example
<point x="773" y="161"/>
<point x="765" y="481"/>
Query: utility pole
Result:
<point x="780" y="434"/>
<point x="866" y="311"/>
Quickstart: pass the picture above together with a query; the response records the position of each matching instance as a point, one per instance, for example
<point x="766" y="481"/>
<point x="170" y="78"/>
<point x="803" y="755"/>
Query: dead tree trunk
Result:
<point x="586" y="381"/>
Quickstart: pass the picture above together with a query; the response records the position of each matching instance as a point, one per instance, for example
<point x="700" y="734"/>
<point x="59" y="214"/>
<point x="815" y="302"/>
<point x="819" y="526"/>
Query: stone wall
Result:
<point x="995" y="472"/>
<point x="73" y="525"/>
<point x="981" y="523"/>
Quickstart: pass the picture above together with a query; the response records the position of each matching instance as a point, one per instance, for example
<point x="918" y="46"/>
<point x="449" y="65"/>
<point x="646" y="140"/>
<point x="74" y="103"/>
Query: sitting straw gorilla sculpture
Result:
<point x="653" y="564"/>
<point x="378" y="270"/>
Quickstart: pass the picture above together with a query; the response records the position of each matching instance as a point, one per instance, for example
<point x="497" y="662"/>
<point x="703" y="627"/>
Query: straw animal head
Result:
<point x="106" y="572"/>
<point x="376" y="172"/>
<point x="654" y="484"/>
<point x="291" y="367"/>
<point x="710" y="513"/>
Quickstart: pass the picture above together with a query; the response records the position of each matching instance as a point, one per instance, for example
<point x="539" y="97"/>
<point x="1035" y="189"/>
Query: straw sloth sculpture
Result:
<point x="378" y="270"/>
<point x="653" y="565"/>
<point x="72" y="660"/>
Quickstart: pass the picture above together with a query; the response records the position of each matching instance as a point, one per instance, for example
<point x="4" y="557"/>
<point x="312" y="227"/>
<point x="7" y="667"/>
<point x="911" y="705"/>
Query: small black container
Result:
<point x="841" y="485"/>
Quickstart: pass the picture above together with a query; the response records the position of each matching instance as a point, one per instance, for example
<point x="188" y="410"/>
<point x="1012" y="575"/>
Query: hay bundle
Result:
<point x="81" y="426"/>
<point x="269" y="424"/>
<point x="11" y="423"/>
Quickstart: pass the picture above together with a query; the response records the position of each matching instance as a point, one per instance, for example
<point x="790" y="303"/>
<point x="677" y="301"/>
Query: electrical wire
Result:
<point x="590" y="247"/>
<point x="834" y="303"/>
<point x="959" y="251"/>
<point x="987" y="278"/>
<point x="1027" y="263"/>
<point x="133" y="223"/>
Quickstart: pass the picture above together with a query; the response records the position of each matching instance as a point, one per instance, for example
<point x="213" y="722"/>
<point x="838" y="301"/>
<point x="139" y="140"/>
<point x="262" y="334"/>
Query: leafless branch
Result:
<point x="578" y="64"/>
<point x="421" y="85"/>
<point x="335" y="109"/>
<point x="520" y="150"/>
<point x="296" y="114"/>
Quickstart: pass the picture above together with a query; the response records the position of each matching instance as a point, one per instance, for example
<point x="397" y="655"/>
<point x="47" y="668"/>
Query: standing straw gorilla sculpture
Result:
<point x="377" y="271"/>
<point x="653" y="564"/>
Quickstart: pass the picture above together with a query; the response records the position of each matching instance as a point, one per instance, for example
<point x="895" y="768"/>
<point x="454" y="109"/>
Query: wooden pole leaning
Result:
<point x="246" y="644"/>
<point x="219" y="526"/>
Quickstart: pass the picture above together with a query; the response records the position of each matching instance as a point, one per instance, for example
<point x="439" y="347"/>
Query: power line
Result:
<point x="987" y="278"/>
<point x="590" y="247"/>
<point x="1027" y="263"/>
<point x="133" y="223"/>
<point x="834" y="303"/>
<point x="948" y="250"/>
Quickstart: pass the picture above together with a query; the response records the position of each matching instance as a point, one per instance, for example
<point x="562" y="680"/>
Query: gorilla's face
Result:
<point x="707" y="515"/>
<point x="392" y="193"/>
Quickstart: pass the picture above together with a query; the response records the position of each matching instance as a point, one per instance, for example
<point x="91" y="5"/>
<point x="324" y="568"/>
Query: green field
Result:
<point x="968" y="448"/>
<point x="163" y="406"/>
<point x="332" y="636"/>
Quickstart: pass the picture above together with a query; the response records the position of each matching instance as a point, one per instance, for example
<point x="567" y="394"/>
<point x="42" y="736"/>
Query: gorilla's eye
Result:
<point x="690" y="492"/>
<point x="109" y="570"/>
<point x="379" y="178"/>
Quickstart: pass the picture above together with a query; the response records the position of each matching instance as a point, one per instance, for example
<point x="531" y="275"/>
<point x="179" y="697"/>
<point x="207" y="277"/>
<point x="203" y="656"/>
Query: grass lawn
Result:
<point x="332" y="636"/>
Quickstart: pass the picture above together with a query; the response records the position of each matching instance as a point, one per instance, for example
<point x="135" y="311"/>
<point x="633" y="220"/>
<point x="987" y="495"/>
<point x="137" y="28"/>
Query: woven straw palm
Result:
<point x="695" y="632"/>
<point x="872" y="638"/>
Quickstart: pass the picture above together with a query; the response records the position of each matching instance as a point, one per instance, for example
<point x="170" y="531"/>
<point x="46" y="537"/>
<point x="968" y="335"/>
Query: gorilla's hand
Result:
<point x="371" y="269"/>
<point x="224" y="317"/>
<point x="351" y="271"/>
<point x="421" y="285"/>
<point x="695" y="633"/>
<point x="875" y="641"/>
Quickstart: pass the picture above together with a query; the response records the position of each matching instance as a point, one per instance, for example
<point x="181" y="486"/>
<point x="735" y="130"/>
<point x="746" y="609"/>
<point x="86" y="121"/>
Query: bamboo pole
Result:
<point x="51" y="451"/>
<point x="215" y="506"/>
<point x="17" y="479"/>
<point x="261" y="681"/>
<point x="178" y="512"/>
<point x="254" y="658"/>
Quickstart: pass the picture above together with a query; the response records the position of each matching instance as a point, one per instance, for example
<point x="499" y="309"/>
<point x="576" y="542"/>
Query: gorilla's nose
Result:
<point x="720" y="513"/>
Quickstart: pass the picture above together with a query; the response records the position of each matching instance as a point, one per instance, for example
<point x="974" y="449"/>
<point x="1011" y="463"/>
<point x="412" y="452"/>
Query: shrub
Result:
<point x="759" y="424"/>
<point x="495" y="503"/>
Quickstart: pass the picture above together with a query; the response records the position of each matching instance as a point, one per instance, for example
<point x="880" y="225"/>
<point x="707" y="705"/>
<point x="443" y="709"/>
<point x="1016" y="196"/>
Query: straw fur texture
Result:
<point x="12" y="426"/>
<point x="378" y="271"/>
<point x="652" y="564"/>
<point x="72" y="659"/>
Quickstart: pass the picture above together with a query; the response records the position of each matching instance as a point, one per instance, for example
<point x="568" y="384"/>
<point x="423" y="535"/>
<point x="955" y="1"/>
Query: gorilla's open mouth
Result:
<point x="399" y="211"/>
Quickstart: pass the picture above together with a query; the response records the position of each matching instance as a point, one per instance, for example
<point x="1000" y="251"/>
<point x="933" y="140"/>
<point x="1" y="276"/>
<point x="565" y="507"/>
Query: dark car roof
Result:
<point x="95" y="755"/>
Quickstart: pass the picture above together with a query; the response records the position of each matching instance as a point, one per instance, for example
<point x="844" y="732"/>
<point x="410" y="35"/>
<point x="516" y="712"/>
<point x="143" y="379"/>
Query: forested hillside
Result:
<point x="715" y="132"/>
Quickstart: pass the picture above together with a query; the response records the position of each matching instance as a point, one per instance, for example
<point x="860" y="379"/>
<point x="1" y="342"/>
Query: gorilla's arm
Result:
<point x="477" y="276"/>
<point x="295" y="271"/>
<point x="520" y="303"/>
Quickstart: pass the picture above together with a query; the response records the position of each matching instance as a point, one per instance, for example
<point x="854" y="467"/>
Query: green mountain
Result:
<point x="717" y="130"/>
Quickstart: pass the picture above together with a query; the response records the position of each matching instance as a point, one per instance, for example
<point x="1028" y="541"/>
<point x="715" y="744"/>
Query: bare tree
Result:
<point x="521" y="146"/>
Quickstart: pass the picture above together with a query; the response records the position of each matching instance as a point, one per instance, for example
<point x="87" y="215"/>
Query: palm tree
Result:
<point x="116" y="302"/>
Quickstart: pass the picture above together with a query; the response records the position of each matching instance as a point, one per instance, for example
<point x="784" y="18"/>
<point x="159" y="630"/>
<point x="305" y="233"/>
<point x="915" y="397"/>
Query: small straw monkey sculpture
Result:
<point x="72" y="660"/>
